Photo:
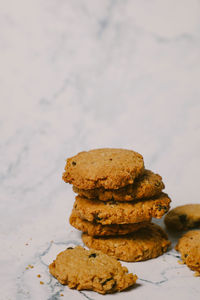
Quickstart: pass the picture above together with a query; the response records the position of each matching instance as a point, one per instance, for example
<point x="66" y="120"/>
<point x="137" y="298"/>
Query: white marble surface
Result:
<point x="84" y="74"/>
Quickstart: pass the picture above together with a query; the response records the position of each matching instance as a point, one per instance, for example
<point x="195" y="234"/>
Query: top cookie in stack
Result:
<point x="103" y="168"/>
<point x="116" y="196"/>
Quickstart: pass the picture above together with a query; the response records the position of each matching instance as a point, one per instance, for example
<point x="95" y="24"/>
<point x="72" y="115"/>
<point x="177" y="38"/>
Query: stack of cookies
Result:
<point x="117" y="198"/>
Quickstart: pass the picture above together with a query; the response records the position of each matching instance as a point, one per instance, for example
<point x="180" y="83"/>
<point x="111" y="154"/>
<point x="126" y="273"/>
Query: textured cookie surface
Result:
<point x="112" y="212"/>
<point x="183" y="217"/>
<point x="90" y="270"/>
<point x="147" y="185"/>
<point x="189" y="247"/>
<point x="94" y="229"/>
<point x="148" y="242"/>
<point x="108" y="168"/>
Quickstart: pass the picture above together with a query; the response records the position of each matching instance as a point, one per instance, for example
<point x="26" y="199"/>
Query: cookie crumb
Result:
<point x="197" y="274"/>
<point x="29" y="267"/>
<point x="38" y="275"/>
<point x="61" y="294"/>
<point x="41" y="282"/>
<point x="180" y="262"/>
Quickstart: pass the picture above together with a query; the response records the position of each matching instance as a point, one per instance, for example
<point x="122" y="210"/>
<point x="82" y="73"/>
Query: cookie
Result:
<point x="183" y="217"/>
<point x="91" y="270"/>
<point x="147" y="185"/>
<point x="97" y="229"/>
<point x="189" y="247"/>
<point x="112" y="212"/>
<point x="108" y="168"/>
<point x="148" y="242"/>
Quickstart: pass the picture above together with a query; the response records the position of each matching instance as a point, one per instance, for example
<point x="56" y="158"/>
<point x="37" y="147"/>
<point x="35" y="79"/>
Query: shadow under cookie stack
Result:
<point x="117" y="198"/>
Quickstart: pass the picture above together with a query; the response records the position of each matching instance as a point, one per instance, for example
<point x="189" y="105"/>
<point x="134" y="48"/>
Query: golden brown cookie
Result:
<point x="112" y="212"/>
<point x="97" y="229"/>
<point x="183" y="217"/>
<point x="108" y="168"/>
<point x="147" y="185"/>
<point x="148" y="242"/>
<point x="189" y="247"/>
<point x="91" y="270"/>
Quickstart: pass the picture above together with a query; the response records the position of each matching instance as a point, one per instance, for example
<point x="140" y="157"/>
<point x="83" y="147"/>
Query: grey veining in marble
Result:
<point x="77" y="75"/>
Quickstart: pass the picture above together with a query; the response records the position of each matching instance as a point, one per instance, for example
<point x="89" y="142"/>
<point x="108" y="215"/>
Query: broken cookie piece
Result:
<point x="189" y="248"/>
<point x="91" y="270"/>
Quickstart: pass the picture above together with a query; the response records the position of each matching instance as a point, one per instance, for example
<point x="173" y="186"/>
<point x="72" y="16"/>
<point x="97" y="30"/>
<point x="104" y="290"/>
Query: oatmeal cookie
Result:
<point x="112" y="212"/>
<point x="146" y="243"/>
<point x="183" y="217"/>
<point x="91" y="270"/>
<point x="108" y="168"/>
<point x="189" y="247"/>
<point x="147" y="185"/>
<point x="97" y="229"/>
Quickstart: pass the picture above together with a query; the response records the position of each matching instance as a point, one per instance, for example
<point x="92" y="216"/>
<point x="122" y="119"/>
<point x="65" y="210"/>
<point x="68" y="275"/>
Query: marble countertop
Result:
<point x="77" y="75"/>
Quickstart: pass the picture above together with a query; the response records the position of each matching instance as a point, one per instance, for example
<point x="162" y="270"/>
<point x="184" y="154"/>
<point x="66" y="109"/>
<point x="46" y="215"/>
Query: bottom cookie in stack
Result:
<point x="145" y="243"/>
